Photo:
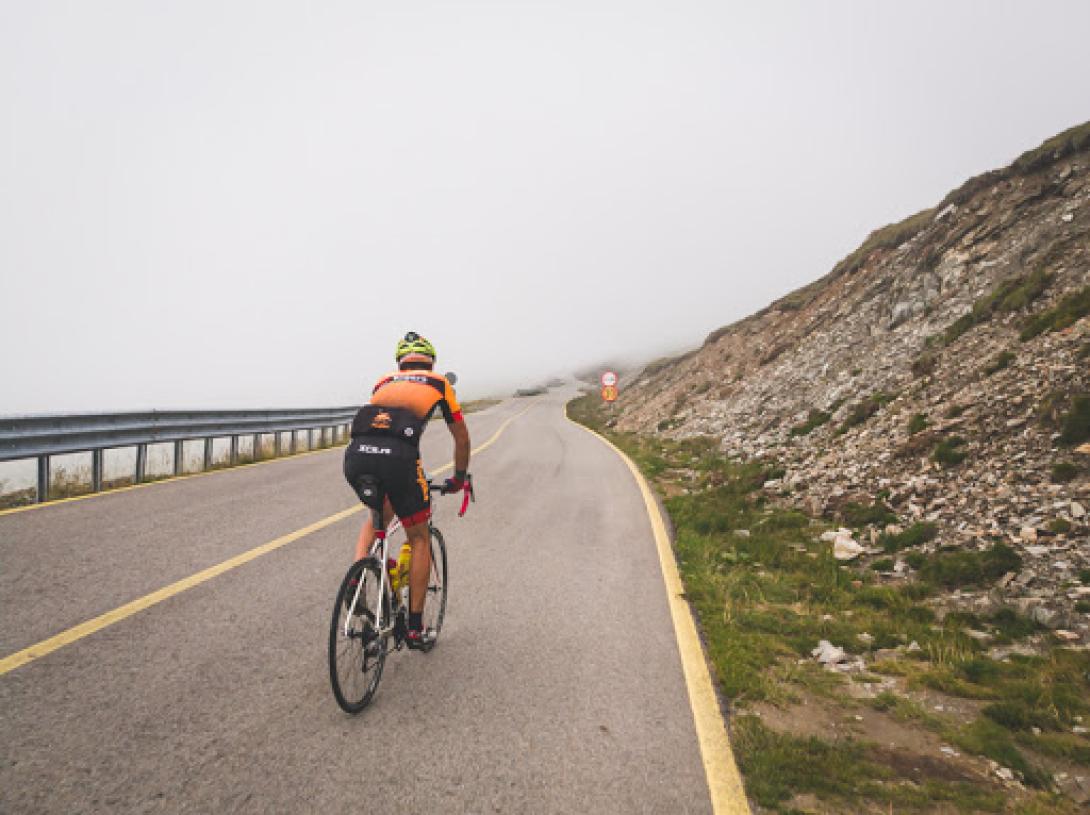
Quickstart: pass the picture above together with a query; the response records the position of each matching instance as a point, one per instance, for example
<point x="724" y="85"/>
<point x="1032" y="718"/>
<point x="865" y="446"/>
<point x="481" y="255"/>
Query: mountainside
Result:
<point x="940" y="373"/>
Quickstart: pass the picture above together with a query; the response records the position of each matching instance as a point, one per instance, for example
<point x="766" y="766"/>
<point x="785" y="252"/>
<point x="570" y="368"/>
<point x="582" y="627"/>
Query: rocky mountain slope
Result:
<point x="939" y="374"/>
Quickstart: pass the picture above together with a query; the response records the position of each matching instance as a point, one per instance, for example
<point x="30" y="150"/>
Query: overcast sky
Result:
<point x="218" y="204"/>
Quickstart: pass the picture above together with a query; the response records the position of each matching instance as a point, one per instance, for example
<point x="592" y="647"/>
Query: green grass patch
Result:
<point x="1001" y="361"/>
<point x="1075" y="426"/>
<point x="1010" y="295"/>
<point x="19" y="498"/>
<point x="815" y="420"/>
<point x="1060" y="525"/>
<point x="917" y="423"/>
<point x="924" y="364"/>
<point x="948" y="451"/>
<point x="1064" y="746"/>
<point x="1052" y="150"/>
<point x="477" y="405"/>
<point x="1062" y="472"/>
<point x="1009" y="625"/>
<point x="779" y="766"/>
<point x="860" y="515"/>
<point x="862" y="411"/>
<point x="917" y="534"/>
<point x="1067" y="312"/>
<point x="963" y="569"/>
<point x="986" y="738"/>
<point x="887" y="237"/>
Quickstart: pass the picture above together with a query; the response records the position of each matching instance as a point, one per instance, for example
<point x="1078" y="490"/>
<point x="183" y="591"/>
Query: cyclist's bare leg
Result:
<point x="367" y="533"/>
<point x="421" y="566"/>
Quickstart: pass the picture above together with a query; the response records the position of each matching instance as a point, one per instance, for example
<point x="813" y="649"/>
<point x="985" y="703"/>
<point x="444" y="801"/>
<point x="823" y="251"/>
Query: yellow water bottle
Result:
<point x="403" y="561"/>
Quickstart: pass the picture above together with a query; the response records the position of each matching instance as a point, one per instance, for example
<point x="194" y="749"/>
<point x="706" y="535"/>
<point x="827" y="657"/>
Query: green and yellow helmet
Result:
<point x="414" y="348"/>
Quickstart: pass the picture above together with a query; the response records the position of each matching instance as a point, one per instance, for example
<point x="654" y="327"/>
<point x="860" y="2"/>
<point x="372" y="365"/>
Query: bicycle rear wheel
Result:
<point x="357" y="651"/>
<point x="435" y="602"/>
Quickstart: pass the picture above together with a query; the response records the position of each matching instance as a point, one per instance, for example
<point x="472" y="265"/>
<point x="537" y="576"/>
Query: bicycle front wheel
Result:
<point x="357" y="650"/>
<point x="435" y="602"/>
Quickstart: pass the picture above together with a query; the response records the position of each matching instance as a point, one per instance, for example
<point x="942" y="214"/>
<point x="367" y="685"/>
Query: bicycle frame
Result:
<point x="380" y="549"/>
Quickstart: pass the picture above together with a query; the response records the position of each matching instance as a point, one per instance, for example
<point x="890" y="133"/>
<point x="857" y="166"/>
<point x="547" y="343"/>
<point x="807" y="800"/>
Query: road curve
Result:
<point x="556" y="687"/>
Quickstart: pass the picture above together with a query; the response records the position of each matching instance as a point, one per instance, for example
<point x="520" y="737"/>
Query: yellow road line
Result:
<point x="78" y="632"/>
<point x="48" y="646"/>
<point x="724" y="781"/>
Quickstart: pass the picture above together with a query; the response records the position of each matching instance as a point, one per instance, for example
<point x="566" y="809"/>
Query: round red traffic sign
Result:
<point x="609" y="379"/>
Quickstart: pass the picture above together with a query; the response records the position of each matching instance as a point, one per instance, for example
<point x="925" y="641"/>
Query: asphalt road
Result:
<point x="556" y="685"/>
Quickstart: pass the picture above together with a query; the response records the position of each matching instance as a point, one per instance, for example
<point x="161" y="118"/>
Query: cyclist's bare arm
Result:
<point x="460" y="433"/>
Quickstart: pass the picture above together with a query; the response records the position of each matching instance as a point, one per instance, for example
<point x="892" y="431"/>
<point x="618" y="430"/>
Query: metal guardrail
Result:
<point x="40" y="437"/>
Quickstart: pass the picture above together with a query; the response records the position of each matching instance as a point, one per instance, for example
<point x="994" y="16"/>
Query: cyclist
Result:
<point x="386" y="445"/>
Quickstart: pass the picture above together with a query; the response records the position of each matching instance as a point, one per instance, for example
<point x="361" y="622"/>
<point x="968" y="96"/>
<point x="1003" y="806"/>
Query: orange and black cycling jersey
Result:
<point x="403" y="402"/>
<point x="419" y="391"/>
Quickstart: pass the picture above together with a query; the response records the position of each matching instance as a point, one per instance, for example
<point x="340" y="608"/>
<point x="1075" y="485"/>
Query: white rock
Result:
<point x="853" y="665"/>
<point x="741" y="533"/>
<point x="913" y="647"/>
<point x="1077" y="510"/>
<point x="1005" y="774"/>
<point x="844" y="548"/>
<point x="1028" y="534"/>
<point x="827" y="653"/>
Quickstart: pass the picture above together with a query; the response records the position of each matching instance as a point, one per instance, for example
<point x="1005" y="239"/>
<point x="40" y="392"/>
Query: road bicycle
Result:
<point x="370" y="617"/>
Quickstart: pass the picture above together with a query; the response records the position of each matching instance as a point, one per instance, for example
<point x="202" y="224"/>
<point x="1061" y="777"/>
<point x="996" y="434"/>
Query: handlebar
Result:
<point x="469" y="492"/>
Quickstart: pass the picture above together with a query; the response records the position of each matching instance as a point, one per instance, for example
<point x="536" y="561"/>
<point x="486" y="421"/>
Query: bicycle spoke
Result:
<point x="356" y="655"/>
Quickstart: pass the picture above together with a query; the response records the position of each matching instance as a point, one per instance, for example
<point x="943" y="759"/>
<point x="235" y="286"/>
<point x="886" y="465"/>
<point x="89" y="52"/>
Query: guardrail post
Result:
<point x="43" y="478"/>
<point x="96" y="470"/>
<point x="141" y="463"/>
<point x="277" y="443"/>
<point x="179" y="451"/>
<point x="208" y="453"/>
<point x="234" y="450"/>
<point x="294" y="439"/>
<point x="257" y="446"/>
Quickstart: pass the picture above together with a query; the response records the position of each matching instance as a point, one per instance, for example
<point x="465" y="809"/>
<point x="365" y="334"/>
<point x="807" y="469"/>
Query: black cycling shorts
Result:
<point x="397" y="467"/>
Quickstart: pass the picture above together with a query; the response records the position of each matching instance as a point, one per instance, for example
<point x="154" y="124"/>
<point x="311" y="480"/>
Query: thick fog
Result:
<point x="227" y="204"/>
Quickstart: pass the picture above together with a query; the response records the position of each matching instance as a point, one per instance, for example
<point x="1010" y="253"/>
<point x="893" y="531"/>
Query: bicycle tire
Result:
<point x="363" y="652"/>
<point x="435" y="601"/>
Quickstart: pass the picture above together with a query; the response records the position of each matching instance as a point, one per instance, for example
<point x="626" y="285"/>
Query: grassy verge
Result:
<point x="766" y="589"/>
<point x="479" y="404"/>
